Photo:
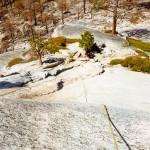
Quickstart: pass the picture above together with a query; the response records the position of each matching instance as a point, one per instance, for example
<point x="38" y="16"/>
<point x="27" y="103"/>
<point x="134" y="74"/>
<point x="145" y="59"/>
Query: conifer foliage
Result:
<point x="87" y="41"/>
<point x="38" y="46"/>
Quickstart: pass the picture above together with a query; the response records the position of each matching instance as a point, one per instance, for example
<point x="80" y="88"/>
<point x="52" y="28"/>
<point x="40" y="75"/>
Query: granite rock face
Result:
<point x="14" y="81"/>
<point x="66" y="126"/>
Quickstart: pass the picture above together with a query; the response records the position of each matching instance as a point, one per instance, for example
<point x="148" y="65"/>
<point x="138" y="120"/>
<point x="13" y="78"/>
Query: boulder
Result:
<point x="52" y="65"/>
<point x="50" y="59"/>
<point x="39" y="75"/>
<point x="14" y="81"/>
<point x="20" y="68"/>
<point x="61" y="69"/>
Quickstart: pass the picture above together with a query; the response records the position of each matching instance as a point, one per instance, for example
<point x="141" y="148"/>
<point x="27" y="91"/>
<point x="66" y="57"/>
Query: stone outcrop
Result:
<point x="59" y="126"/>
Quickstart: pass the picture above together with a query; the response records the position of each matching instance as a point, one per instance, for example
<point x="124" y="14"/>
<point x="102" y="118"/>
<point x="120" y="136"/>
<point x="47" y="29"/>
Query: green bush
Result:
<point x="116" y="61"/>
<point x="14" y="62"/>
<point x="136" y="63"/>
<point x="139" y="44"/>
<point x="70" y="41"/>
<point x="133" y="62"/>
<point x="141" y="53"/>
<point x="86" y="41"/>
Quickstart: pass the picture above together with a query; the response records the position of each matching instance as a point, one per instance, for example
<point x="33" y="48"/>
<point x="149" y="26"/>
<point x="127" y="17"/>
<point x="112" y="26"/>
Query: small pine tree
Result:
<point x="38" y="46"/>
<point x="87" y="41"/>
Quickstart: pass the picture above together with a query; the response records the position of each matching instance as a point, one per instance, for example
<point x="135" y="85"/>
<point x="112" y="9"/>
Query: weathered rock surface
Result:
<point x="14" y="81"/>
<point x="116" y="47"/>
<point x="72" y="31"/>
<point x="8" y="56"/>
<point x="44" y="126"/>
<point x="39" y="75"/>
<point x="52" y="65"/>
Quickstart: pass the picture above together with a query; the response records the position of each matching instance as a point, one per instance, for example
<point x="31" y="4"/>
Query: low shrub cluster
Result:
<point x="135" y="63"/>
<point x="145" y="46"/>
<point x="117" y="61"/>
<point x="108" y="31"/>
<point x="14" y="62"/>
<point x="55" y="44"/>
<point x="141" y="53"/>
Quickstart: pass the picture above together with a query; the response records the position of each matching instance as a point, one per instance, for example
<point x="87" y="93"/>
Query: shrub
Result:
<point x="133" y="62"/>
<point x="58" y="41"/>
<point x="136" y="63"/>
<point x="70" y="41"/>
<point x="139" y="44"/>
<point x="14" y="62"/>
<point x="86" y="41"/>
<point x="116" y="61"/>
<point x="108" y="31"/>
<point x="55" y="44"/>
<point x="38" y="46"/>
<point x="141" y="53"/>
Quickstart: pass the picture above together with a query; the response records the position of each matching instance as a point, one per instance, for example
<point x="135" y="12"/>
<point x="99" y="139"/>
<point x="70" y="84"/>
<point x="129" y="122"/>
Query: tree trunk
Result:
<point x="46" y="28"/>
<point x="114" y="23"/>
<point x="62" y="16"/>
<point x="32" y="31"/>
<point x="115" y="16"/>
<point x="34" y="12"/>
<point x="91" y="13"/>
<point x="84" y="6"/>
<point x="78" y="14"/>
<point x="40" y="60"/>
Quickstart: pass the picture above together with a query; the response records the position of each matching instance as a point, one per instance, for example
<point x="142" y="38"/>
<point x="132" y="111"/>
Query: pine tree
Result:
<point x="38" y="46"/>
<point x="87" y="41"/>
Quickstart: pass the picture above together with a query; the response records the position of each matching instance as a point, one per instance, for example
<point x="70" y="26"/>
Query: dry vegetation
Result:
<point x="26" y="19"/>
<point x="145" y="46"/>
<point x="135" y="63"/>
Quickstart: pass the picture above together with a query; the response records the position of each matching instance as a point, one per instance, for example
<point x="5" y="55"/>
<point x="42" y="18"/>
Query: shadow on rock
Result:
<point x="60" y="85"/>
<point x="138" y="33"/>
<point x="7" y="85"/>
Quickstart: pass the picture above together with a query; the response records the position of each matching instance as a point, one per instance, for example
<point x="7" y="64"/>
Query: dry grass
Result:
<point x="135" y="63"/>
<point x="145" y="46"/>
<point x="28" y="96"/>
